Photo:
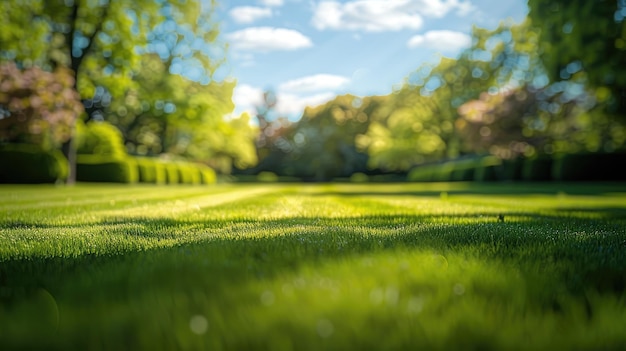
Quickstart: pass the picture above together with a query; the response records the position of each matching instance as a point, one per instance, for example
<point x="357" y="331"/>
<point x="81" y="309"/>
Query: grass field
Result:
<point x="313" y="267"/>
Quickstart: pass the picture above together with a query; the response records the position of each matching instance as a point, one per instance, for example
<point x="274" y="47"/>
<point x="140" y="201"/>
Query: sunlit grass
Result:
<point x="291" y="267"/>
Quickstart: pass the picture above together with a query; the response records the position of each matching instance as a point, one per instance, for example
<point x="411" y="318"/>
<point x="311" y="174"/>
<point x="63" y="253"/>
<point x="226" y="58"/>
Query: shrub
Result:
<point x="423" y="173"/>
<point x="489" y="169"/>
<point x="151" y="170"/>
<point x="359" y="178"/>
<point x="443" y="172"/>
<point x="99" y="138"/>
<point x="267" y="177"/>
<point x="25" y="163"/>
<point x="589" y="167"/>
<point x="106" y="169"/>
<point x="464" y="169"/>
<point x="188" y="173"/>
<point x="171" y="173"/>
<point x="537" y="169"/>
<point x="512" y="169"/>
<point x="207" y="175"/>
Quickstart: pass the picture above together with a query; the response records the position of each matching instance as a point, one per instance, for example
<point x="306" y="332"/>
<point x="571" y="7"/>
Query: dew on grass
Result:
<point x="325" y="328"/>
<point x="392" y="295"/>
<point x="415" y="305"/>
<point x="458" y="289"/>
<point x="376" y="296"/>
<point x="198" y="324"/>
<point x="267" y="298"/>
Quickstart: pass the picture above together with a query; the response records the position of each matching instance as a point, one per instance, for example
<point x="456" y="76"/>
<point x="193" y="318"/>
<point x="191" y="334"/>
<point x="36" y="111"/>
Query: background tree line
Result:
<point x="142" y="77"/>
<point x="146" y="67"/>
<point x="551" y="85"/>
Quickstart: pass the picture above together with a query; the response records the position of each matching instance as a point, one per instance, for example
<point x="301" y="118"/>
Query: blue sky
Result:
<point x="309" y="51"/>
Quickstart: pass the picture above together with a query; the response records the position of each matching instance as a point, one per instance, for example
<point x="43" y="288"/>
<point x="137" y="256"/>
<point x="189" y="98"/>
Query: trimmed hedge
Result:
<point x="154" y="170"/>
<point x="189" y="173"/>
<point x="91" y="168"/>
<point x="29" y="164"/>
<point x="589" y="167"/>
<point x="537" y="169"/>
<point x="151" y="170"/>
<point x="171" y="173"/>
<point x="423" y="173"/>
<point x="489" y="169"/>
<point x="207" y="175"/>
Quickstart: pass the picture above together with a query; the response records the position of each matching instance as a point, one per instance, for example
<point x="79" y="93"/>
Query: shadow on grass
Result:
<point x="553" y="254"/>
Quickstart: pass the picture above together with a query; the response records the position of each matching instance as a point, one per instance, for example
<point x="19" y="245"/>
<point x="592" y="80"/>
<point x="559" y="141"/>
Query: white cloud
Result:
<point x="442" y="40"/>
<point x="368" y="15"/>
<point x="315" y="82"/>
<point x="249" y="14"/>
<point x="294" y="105"/>
<point x="268" y="39"/>
<point x="379" y="15"/>
<point x="272" y="2"/>
<point x="246" y="98"/>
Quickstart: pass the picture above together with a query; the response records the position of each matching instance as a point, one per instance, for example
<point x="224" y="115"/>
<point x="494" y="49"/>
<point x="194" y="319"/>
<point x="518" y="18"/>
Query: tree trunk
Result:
<point x="69" y="151"/>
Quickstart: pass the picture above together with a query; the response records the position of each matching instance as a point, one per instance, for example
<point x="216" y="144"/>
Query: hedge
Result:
<point x="29" y="164"/>
<point x="589" y="167"/>
<point x="537" y="169"/>
<point x="151" y="170"/>
<point x="489" y="169"/>
<point x="92" y="168"/>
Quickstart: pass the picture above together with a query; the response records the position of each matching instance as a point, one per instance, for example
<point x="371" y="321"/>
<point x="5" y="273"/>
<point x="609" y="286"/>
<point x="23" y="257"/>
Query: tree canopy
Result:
<point x="148" y="67"/>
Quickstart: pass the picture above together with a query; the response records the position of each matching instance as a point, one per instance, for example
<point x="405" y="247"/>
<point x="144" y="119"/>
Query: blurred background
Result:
<point x="192" y="91"/>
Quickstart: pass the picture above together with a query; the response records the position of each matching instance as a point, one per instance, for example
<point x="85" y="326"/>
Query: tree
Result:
<point x="104" y="42"/>
<point x="36" y="106"/>
<point x="422" y="123"/>
<point x="323" y="143"/>
<point x="585" y="38"/>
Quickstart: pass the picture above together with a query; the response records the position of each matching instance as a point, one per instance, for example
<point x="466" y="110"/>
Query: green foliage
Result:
<point x="26" y="163"/>
<point x="537" y="168"/>
<point x="267" y="177"/>
<point x="207" y="175"/>
<point x="100" y="138"/>
<point x="585" y="40"/>
<point x="36" y="106"/>
<point x="172" y="174"/>
<point x="188" y="173"/>
<point x="151" y="170"/>
<point x="315" y="267"/>
<point x="127" y="59"/>
<point x="489" y="169"/>
<point x="589" y="167"/>
<point x="94" y="168"/>
<point x="359" y="178"/>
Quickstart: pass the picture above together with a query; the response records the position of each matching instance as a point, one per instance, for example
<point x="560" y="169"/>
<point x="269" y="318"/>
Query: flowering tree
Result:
<point x="36" y="106"/>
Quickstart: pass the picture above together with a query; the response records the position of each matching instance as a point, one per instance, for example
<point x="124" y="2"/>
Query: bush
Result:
<point x="106" y="169"/>
<point x="171" y="173"/>
<point x="151" y="170"/>
<point x="512" y="169"/>
<point x="267" y="177"/>
<point x="207" y="175"/>
<point x="25" y="163"/>
<point x="99" y="138"/>
<point x="464" y="169"/>
<point x="423" y="173"/>
<point x="188" y="173"/>
<point x="589" y="167"/>
<point x="489" y="169"/>
<point x="359" y="178"/>
<point x="537" y="169"/>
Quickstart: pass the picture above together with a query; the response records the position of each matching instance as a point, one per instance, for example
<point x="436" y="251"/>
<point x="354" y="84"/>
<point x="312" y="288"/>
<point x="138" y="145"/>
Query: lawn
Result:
<point x="313" y="267"/>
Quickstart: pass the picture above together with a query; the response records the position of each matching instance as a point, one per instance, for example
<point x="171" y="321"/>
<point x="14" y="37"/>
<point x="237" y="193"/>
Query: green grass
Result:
<point x="313" y="267"/>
